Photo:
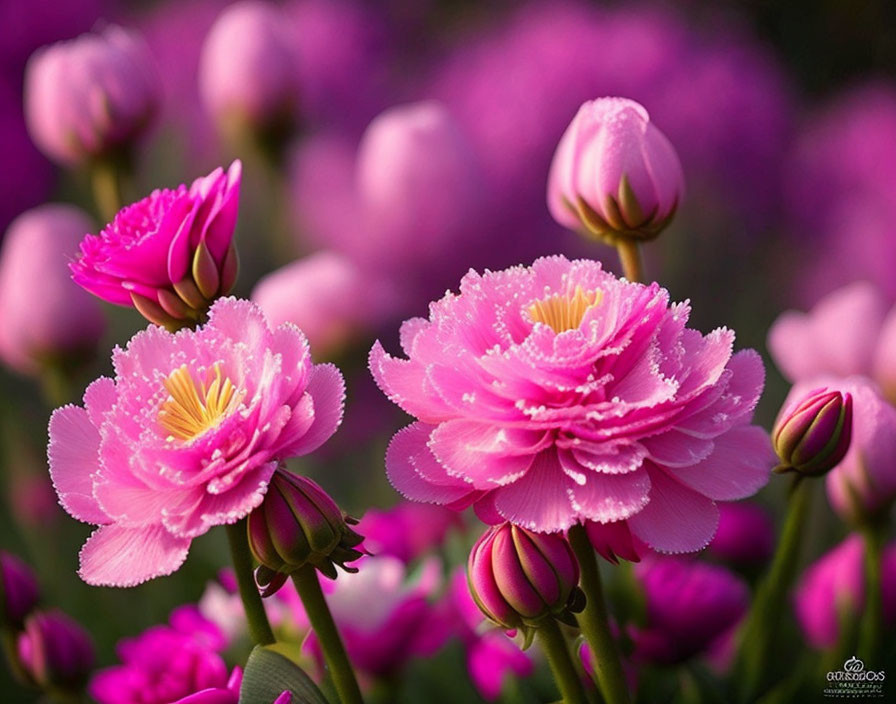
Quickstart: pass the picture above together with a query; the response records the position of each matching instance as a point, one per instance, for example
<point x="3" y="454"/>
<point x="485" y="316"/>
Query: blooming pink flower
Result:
<point x="407" y="530"/>
<point x="555" y="394"/>
<point x="168" y="254"/>
<point x="834" y="587"/>
<point x="186" y="436"/>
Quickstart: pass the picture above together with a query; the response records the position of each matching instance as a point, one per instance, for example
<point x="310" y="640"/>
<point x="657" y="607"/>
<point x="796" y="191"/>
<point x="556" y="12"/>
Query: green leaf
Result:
<point x="268" y="674"/>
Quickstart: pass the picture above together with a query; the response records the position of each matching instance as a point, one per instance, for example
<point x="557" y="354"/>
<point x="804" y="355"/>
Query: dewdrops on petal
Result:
<point x="559" y="394"/>
<point x="186" y="436"/>
<point x="169" y="255"/>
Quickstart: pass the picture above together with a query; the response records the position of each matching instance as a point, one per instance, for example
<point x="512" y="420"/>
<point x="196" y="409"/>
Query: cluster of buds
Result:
<point x="813" y="435"/>
<point x="169" y="255"/>
<point x="615" y="176"/>
<point x="298" y="524"/>
<point x="519" y="578"/>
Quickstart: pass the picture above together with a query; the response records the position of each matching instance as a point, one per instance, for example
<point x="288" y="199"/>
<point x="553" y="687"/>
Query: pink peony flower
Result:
<point x="186" y="437"/>
<point x="556" y="394"/>
<point x="834" y="587"/>
<point x="168" y="254"/>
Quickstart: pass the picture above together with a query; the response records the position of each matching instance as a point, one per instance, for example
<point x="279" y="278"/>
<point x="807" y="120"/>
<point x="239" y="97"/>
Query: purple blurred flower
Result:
<point x="833" y="589"/>
<point x="746" y="534"/>
<point x="407" y="531"/>
<point x="689" y="605"/>
<point x="19" y="592"/>
<point x="90" y="97"/>
<point x="56" y="651"/>
<point x="45" y="316"/>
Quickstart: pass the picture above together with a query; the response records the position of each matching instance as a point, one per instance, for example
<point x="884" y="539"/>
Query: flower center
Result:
<point x="192" y="409"/>
<point x="564" y="313"/>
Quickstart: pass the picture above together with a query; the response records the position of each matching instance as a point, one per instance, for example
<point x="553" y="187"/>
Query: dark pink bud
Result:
<point x="813" y="435"/>
<point x="56" y="652"/>
<point x="18" y="590"/>
<point x="296" y="525"/>
<point x="517" y="578"/>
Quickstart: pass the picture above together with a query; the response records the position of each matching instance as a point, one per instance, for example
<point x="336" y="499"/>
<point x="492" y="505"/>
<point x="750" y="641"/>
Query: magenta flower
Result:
<point x="834" y="587"/>
<point x="56" y="651"/>
<point x="407" y="530"/>
<point x="168" y="254"/>
<point x="556" y="394"/>
<point x="746" y="534"/>
<point x="186" y="437"/>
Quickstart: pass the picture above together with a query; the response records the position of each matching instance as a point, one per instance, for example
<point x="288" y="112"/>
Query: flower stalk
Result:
<point x="630" y="255"/>
<point x="259" y="627"/>
<point x="552" y="642"/>
<point x="872" y="619"/>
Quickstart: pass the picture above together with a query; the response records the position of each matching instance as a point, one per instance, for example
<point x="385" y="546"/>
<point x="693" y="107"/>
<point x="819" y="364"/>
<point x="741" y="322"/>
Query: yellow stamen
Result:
<point x="190" y="411"/>
<point x="564" y="313"/>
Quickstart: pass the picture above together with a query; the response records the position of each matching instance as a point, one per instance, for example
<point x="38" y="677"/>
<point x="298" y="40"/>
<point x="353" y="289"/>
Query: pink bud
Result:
<point x="92" y="96"/>
<point x="614" y="173"/>
<point x="45" y="316"/>
<point x="247" y="72"/>
<point x="18" y="590"/>
<point x="812" y="435"/>
<point x="518" y="578"/>
<point x="56" y="651"/>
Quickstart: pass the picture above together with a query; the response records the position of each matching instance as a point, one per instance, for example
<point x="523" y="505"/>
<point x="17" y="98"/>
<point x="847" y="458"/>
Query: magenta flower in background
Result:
<point x="19" y="592"/>
<point x="614" y="173"/>
<point x="45" y="317"/>
<point x="168" y="254"/>
<point x="556" y="394"/>
<point x="746" y="534"/>
<point x="90" y="97"/>
<point x="834" y="587"/>
<point x="407" y="530"/>
<point x="186" y="436"/>
<point x="689" y="605"/>
<point x="56" y="651"/>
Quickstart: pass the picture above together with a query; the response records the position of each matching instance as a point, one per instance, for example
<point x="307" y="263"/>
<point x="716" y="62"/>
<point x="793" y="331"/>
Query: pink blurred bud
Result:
<point x="745" y="536"/>
<point x="518" y="578"/>
<point x="614" y="173"/>
<point x="169" y="255"/>
<point x="325" y="295"/>
<point x="18" y="591"/>
<point x="833" y="589"/>
<point x="91" y="96"/>
<point x="407" y="530"/>
<point x="689" y="605"/>
<point x="56" y="651"/>
<point x="247" y="72"/>
<point x="45" y="316"/>
<point x="812" y="435"/>
<point x="299" y="524"/>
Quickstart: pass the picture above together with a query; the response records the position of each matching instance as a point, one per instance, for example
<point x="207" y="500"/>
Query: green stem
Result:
<point x="630" y="256"/>
<point x="769" y="605"/>
<point x="327" y="634"/>
<point x="554" y="646"/>
<point x="259" y="628"/>
<point x="105" y="177"/>
<point x="595" y="623"/>
<point x="872" y="619"/>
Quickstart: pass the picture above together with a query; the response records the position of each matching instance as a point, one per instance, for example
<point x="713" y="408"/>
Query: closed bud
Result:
<point x="56" y="652"/>
<point x="614" y="174"/>
<point x="518" y="578"/>
<point x="812" y="435"/>
<point x="298" y="524"/>
<point x="18" y="591"/>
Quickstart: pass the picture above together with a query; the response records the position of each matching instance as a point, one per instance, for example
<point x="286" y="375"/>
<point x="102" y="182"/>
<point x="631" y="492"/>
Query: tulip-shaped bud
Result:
<point x="614" y="174"/>
<point x="247" y="73"/>
<point x="812" y="435"/>
<point x="91" y="97"/>
<point x="518" y="578"/>
<point x="169" y="255"/>
<point x="56" y="652"/>
<point x="47" y="320"/>
<point x="18" y="591"/>
<point x="298" y="524"/>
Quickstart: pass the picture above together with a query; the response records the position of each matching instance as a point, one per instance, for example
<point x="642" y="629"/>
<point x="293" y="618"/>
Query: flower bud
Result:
<point x="247" y="72"/>
<point x="90" y="97"/>
<point x="46" y="319"/>
<point x="517" y="578"/>
<point x="169" y="255"/>
<point x="298" y="524"/>
<point x="18" y="591"/>
<point x="812" y="436"/>
<point x="56" y="652"/>
<point x="614" y="174"/>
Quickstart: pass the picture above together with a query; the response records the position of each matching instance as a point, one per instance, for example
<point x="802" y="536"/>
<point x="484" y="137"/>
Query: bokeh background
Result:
<point x="783" y="114"/>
